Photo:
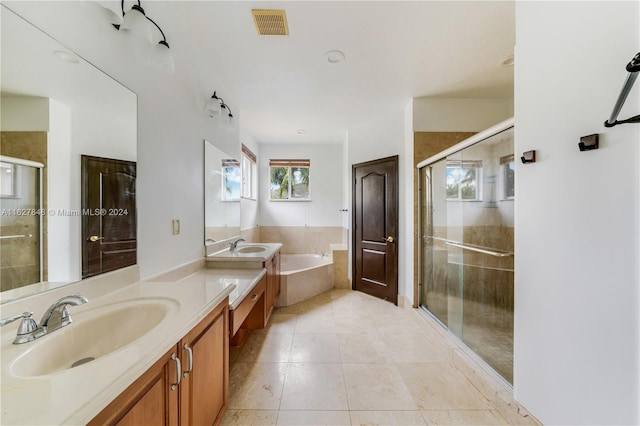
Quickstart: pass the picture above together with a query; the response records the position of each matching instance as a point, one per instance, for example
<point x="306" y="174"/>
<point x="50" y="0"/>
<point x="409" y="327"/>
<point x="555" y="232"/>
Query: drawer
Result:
<point x="238" y="315"/>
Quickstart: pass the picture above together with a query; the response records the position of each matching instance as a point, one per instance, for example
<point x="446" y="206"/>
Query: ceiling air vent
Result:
<point x="270" y="22"/>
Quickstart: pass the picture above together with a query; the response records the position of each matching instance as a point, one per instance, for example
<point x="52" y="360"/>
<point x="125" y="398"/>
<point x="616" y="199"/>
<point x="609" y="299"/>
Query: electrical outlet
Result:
<point x="176" y="226"/>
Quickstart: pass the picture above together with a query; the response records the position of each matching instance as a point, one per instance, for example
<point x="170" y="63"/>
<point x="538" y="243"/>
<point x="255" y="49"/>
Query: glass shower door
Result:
<point x="467" y="225"/>
<point x="20" y="224"/>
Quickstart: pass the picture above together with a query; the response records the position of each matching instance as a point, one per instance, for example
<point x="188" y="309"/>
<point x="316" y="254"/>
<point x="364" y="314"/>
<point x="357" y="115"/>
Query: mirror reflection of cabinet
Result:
<point x="221" y="195"/>
<point x="72" y="109"/>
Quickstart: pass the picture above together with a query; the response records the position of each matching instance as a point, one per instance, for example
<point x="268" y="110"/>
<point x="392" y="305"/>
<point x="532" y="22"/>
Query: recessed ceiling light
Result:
<point x="334" y="56"/>
<point x="66" y="56"/>
<point x="301" y="131"/>
<point x="508" y="62"/>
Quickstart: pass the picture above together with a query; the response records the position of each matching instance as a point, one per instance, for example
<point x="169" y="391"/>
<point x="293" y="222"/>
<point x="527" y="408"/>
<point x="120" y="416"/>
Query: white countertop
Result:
<point x="75" y="396"/>
<point x="225" y="255"/>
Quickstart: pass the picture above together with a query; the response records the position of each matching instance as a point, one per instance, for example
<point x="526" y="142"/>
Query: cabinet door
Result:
<point x="148" y="401"/>
<point x="205" y="364"/>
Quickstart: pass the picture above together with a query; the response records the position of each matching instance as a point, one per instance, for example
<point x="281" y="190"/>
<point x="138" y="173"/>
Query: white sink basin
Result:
<point x="251" y="249"/>
<point x="93" y="334"/>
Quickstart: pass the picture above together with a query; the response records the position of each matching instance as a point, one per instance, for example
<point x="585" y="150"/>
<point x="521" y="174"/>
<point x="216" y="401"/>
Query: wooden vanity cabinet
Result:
<point x="273" y="285"/>
<point x="202" y="396"/>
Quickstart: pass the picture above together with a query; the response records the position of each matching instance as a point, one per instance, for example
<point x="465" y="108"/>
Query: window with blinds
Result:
<point x="289" y="180"/>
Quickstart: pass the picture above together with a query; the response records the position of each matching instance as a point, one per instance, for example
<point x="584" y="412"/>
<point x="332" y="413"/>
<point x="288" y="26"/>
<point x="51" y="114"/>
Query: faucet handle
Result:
<point x="26" y="329"/>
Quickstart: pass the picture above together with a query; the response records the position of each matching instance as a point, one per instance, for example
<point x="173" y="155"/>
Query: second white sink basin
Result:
<point x="93" y="334"/>
<point x="251" y="249"/>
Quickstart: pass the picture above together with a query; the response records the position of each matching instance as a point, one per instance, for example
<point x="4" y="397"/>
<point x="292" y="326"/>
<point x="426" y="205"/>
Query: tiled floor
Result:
<point x="344" y="358"/>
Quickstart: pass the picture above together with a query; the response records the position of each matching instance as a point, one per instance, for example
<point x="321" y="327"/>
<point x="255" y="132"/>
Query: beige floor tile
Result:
<point x="291" y="309"/>
<point x="280" y="323"/>
<point x="462" y="417"/>
<point x="350" y="308"/>
<point x="309" y="418"/>
<point x="354" y="325"/>
<point x="441" y="386"/>
<point x="314" y="386"/>
<point x="315" y="348"/>
<point x="398" y="323"/>
<point x="363" y="348"/>
<point x="266" y="347"/>
<point x="416" y="348"/>
<point x="256" y="385"/>
<point x="376" y="387"/>
<point x="399" y="418"/>
<point x="315" y="324"/>
<point x="250" y="417"/>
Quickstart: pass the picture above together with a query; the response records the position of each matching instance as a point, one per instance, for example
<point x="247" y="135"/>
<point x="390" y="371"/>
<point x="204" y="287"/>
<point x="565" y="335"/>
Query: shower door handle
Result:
<point x="95" y="238"/>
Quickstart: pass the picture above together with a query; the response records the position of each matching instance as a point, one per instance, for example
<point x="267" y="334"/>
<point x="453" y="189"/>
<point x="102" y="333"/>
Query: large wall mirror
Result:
<point x="56" y="108"/>
<point x="221" y="195"/>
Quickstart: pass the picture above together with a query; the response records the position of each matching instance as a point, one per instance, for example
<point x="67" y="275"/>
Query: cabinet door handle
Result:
<point x="254" y="297"/>
<point x="174" y="386"/>
<point x="190" y="351"/>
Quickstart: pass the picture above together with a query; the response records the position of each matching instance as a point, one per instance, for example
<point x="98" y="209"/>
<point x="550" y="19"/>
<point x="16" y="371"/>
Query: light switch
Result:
<point x="176" y="226"/>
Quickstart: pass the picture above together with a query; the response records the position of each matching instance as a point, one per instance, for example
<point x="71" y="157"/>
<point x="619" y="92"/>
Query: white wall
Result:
<point x="326" y="180"/>
<point x="577" y="214"/>
<point x="459" y="114"/>
<point x="29" y="114"/>
<point x="63" y="262"/>
<point x="388" y="135"/>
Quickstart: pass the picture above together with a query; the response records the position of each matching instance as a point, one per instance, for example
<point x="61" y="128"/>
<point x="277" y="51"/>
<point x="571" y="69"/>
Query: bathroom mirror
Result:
<point x="221" y="195"/>
<point x="56" y="107"/>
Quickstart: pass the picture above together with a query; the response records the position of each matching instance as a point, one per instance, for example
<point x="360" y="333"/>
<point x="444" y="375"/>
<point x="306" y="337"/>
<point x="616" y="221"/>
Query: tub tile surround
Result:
<point x="303" y="239"/>
<point x="308" y="365"/>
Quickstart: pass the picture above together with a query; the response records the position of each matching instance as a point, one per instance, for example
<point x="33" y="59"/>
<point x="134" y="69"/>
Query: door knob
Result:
<point x="389" y="239"/>
<point x="95" y="238"/>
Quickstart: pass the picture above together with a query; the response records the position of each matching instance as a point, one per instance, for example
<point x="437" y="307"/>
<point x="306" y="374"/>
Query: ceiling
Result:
<point x="394" y="50"/>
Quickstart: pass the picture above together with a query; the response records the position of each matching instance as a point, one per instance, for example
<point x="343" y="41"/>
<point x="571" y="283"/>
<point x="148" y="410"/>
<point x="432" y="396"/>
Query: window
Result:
<point x="230" y="180"/>
<point x="463" y="179"/>
<point x="508" y="176"/>
<point x="8" y="180"/>
<point x="289" y="179"/>
<point x="249" y="174"/>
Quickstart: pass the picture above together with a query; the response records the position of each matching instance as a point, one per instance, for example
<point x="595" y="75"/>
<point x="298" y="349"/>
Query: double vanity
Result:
<point x="150" y="352"/>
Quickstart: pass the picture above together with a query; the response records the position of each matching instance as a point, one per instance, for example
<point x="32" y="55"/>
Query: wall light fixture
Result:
<point x="216" y="107"/>
<point x="136" y="26"/>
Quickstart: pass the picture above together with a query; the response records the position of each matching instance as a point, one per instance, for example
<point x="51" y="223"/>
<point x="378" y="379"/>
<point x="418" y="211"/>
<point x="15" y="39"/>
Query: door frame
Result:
<point x="395" y="159"/>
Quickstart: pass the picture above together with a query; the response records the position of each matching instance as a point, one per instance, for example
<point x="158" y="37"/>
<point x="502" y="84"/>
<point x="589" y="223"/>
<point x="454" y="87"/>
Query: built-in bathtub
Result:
<point x="303" y="276"/>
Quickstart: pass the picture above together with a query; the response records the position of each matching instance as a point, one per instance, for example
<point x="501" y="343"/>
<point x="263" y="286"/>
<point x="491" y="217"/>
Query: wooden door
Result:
<point x="108" y="215"/>
<point x="375" y="228"/>
<point x="204" y="391"/>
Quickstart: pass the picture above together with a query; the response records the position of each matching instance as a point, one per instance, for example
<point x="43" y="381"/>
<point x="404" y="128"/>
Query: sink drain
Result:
<point x="82" y="361"/>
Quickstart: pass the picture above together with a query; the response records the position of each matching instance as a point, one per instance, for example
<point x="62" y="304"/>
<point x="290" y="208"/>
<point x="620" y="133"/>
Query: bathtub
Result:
<point x="303" y="276"/>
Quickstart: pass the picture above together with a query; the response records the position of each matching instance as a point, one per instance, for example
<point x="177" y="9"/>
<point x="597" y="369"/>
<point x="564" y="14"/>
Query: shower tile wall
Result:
<point x="19" y="257"/>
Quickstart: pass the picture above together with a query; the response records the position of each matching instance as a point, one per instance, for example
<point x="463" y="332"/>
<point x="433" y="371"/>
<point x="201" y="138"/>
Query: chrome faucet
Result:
<point x="234" y="244"/>
<point x="57" y="316"/>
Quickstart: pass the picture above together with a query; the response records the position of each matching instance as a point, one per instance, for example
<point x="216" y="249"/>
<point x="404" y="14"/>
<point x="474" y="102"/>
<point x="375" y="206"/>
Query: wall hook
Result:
<point x="528" y="157"/>
<point x="587" y="143"/>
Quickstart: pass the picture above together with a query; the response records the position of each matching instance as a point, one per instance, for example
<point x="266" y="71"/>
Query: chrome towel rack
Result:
<point x="472" y="247"/>
<point x="633" y="68"/>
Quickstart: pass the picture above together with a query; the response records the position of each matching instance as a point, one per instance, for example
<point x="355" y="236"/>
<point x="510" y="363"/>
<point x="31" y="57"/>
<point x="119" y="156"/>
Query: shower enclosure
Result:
<point x="20" y="222"/>
<point x="466" y="252"/>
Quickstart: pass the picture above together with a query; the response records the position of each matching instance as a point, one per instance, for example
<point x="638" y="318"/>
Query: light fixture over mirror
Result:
<point x="138" y="30"/>
<point x="217" y="108"/>
<point x="50" y="105"/>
